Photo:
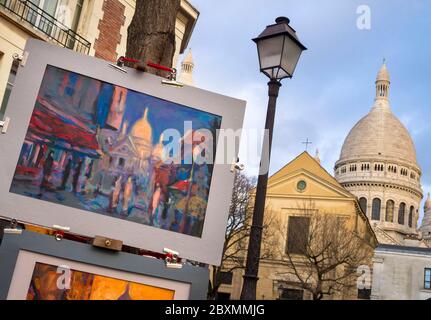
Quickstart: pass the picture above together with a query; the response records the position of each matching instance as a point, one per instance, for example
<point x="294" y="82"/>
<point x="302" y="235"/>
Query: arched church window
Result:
<point x="363" y="204"/>
<point x="390" y="207"/>
<point x="401" y="212"/>
<point x="375" y="214"/>
<point x="412" y="209"/>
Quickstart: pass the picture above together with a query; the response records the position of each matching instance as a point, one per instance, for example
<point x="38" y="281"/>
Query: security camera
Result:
<point x="237" y="166"/>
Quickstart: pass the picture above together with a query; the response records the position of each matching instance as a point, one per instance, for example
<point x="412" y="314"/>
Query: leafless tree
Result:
<point x="324" y="253"/>
<point x="238" y="232"/>
<point x="151" y="33"/>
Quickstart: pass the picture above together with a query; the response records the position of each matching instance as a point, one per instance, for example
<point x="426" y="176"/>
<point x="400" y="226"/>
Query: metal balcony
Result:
<point x="47" y="24"/>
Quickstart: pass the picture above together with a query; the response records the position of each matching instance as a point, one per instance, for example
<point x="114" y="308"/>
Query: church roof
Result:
<point x="189" y="57"/>
<point x="403" y="249"/>
<point x="380" y="134"/>
<point x="383" y="74"/>
<point x="306" y="161"/>
<point x="321" y="183"/>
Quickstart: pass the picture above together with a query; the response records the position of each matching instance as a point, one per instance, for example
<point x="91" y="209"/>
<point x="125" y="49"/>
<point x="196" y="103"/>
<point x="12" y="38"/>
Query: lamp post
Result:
<point x="279" y="50"/>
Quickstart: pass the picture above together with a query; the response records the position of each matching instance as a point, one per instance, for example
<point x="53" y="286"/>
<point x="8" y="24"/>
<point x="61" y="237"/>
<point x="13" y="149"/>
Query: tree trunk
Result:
<point x="151" y="33"/>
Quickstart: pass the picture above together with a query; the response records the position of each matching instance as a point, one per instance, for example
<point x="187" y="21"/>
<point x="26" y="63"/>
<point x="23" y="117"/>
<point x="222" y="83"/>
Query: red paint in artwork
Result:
<point x="48" y="123"/>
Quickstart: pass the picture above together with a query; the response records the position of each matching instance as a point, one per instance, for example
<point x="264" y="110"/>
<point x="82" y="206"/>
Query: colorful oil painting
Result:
<point x="50" y="282"/>
<point x="99" y="147"/>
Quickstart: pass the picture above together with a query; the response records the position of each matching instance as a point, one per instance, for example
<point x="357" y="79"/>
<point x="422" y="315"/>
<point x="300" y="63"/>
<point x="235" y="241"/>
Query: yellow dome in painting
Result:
<point x="142" y="129"/>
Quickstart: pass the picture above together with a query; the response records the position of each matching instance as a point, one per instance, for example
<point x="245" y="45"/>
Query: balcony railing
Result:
<point x="47" y="24"/>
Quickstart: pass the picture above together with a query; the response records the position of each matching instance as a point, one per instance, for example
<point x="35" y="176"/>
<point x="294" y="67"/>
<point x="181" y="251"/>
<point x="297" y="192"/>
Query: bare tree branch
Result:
<point x="238" y="232"/>
<point x="331" y="253"/>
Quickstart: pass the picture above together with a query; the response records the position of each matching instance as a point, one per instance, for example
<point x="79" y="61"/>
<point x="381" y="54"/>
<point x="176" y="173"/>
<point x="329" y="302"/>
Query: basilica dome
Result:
<point x="379" y="135"/>
<point x="142" y="129"/>
<point x="378" y="165"/>
<point x="142" y="134"/>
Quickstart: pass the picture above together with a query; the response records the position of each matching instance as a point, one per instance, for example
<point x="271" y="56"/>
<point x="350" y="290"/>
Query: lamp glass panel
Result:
<point x="270" y="51"/>
<point x="291" y="54"/>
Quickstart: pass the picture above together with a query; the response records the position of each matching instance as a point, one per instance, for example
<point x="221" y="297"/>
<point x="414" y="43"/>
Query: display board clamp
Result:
<point x="59" y="231"/>
<point x="170" y="80"/>
<point x="4" y="124"/>
<point x="107" y="243"/>
<point x="13" y="229"/>
<point x="172" y="259"/>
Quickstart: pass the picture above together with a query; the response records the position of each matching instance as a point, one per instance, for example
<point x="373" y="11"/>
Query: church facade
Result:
<point x="378" y="165"/>
<point x="297" y="192"/>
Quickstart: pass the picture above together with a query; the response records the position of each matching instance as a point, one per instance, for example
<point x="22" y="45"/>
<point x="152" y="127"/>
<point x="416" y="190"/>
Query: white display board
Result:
<point x="85" y="145"/>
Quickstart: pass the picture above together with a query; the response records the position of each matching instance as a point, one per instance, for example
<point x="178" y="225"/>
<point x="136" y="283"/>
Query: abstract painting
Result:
<point x="100" y="147"/>
<point x="51" y="282"/>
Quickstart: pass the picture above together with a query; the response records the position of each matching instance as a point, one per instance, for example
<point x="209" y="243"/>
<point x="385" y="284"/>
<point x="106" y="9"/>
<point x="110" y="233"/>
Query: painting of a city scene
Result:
<point x="50" y="282"/>
<point x="99" y="147"/>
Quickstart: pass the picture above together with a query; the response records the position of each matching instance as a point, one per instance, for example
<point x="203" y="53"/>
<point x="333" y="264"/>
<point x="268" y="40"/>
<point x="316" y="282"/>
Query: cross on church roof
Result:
<point x="307" y="142"/>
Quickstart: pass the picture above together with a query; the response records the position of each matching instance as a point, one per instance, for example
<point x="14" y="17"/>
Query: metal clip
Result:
<point x="4" y="124"/>
<point x="171" y="259"/>
<point x="13" y="228"/>
<point x="59" y="231"/>
<point x="172" y="79"/>
<point x="117" y="66"/>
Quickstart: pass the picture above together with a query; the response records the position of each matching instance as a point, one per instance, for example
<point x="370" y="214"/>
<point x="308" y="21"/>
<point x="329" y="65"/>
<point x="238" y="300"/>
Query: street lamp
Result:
<point x="279" y="50"/>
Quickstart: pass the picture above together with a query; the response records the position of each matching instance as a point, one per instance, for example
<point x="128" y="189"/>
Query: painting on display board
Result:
<point x="118" y="153"/>
<point x="81" y="285"/>
<point x="95" y="146"/>
<point x="36" y="267"/>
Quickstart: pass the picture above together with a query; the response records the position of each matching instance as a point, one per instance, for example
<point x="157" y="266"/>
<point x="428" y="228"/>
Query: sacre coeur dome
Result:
<point x="378" y="165"/>
<point x="380" y="134"/>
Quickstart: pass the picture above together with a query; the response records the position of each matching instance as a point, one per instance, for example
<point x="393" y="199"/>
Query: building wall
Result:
<point x="12" y="40"/>
<point x="109" y="27"/>
<point x="102" y="22"/>
<point x="272" y="273"/>
<point x="398" y="275"/>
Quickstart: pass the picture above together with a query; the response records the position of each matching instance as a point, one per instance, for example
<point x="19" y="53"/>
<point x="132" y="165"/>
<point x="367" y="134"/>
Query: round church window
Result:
<point x="301" y="185"/>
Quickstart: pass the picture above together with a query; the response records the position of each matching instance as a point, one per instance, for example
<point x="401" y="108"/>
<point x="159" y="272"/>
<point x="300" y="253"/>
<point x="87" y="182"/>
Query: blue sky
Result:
<point x="333" y="86"/>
